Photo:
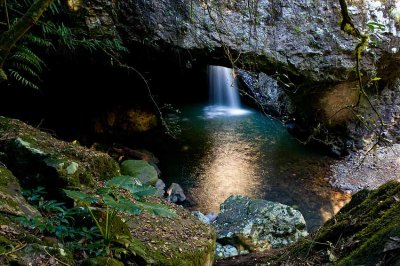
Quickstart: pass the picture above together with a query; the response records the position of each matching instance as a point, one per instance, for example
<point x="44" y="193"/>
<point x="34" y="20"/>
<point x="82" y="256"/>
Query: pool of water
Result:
<point x="247" y="153"/>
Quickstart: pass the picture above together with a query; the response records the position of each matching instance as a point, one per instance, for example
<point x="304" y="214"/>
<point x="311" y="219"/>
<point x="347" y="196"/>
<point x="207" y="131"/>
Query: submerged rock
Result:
<point x="257" y="225"/>
<point x="37" y="158"/>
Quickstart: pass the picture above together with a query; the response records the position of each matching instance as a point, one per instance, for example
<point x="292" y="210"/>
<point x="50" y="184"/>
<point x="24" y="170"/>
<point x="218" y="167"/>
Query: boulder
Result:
<point x="39" y="159"/>
<point x="11" y="200"/>
<point x="201" y="217"/>
<point x="212" y="216"/>
<point x="182" y="240"/>
<point x="175" y="193"/>
<point x="364" y="232"/>
<point x="257" y="225"/>
<point x="225" y="251"/>
<point x="160" y="186"/>
<point x="141" y="170"/>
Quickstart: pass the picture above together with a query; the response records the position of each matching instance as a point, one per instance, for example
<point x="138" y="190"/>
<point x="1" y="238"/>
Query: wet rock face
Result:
<point x="303" y="37"/>
<point x="258" y="225"/>
<point x="267" y="93"/>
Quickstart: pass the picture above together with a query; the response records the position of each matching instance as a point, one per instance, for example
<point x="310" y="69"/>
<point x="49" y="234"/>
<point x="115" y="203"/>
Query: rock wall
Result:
<point x="300" y="43"/>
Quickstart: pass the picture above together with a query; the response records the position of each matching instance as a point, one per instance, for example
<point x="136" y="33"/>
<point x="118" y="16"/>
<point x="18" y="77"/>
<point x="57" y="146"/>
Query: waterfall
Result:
<point x="224" y="93"/>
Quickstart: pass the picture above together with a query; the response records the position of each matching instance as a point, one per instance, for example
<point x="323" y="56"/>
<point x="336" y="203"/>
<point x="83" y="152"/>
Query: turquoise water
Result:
<point x="249" y="154"/>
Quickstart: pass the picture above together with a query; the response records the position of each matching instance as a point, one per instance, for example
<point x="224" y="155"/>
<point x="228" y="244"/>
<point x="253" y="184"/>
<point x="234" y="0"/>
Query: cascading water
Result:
<point x="224" y="93"/>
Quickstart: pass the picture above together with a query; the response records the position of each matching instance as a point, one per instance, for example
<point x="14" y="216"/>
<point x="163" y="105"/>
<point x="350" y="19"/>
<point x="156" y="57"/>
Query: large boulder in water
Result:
<point x="257" y="225"/>
<point x="39" y="159"/>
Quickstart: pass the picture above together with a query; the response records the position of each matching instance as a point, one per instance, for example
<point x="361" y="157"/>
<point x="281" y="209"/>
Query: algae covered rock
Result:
<point x="37" y="158"/>
<point x="141" y="170"/>
<point x="11" y="201"/>
<point x="257" y="225"/>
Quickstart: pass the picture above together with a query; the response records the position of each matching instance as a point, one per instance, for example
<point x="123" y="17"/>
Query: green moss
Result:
<point x="179" y="241"/>
<point x="51" y="162"/>
<point x="102" y="261"/>
<point x="357" y="235"/>
<point x="11" y="200"/>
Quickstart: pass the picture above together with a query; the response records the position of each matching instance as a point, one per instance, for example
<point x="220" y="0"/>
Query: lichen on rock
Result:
<point x="258" y="225"/>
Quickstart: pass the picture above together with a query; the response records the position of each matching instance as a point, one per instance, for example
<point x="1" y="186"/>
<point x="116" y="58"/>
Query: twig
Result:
<point x="60" y="261"/>
<point x="13" y="250"/>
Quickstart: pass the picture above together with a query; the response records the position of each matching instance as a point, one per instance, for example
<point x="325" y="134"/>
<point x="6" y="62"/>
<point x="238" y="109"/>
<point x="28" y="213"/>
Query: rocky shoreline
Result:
<point x="367" y="169"/>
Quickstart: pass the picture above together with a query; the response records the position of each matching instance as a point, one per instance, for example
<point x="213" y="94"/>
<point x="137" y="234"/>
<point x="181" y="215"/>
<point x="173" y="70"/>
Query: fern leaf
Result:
<point x="22" y="80"/>
<point x="38" y="40"/>
<point x="24" y="54"/>
<point x="26" y="69"/>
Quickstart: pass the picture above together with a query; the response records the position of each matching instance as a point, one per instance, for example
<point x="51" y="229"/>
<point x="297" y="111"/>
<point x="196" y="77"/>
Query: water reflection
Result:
<point x="254" y="156"/>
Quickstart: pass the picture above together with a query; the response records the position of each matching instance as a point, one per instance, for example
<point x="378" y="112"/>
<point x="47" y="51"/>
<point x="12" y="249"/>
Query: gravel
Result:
<point x="367" y="170"/>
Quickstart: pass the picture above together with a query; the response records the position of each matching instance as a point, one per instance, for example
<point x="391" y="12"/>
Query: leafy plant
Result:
<point x="24" y="64"/>
<point x="121" y="195"/>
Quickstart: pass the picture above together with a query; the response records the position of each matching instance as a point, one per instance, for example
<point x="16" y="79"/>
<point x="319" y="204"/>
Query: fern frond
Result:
<point x="26" y="69"/>
<point x="115" y="45"/>
<point x="25" y="55"/>
<point x="49" y="27"/>
<point x="38" y="40"/>
<point x="21" y="79"/>
<point x="54" y="7"/>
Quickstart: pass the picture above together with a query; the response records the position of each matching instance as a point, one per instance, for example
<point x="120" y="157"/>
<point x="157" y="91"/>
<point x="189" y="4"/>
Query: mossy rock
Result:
<point x="182" y="240"/>
<point x="37" y="254"/>
<point x="40" y="159"/>
<point x="141" y="170"/>
<point x="11" y="200"/>
<point x="364" y="232"/>
<point x="102" y="261"/>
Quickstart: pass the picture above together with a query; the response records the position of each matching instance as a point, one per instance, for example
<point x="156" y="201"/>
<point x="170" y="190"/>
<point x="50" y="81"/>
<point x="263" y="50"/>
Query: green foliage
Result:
<point x="58" y="221"/>
<point x="25" y="66"/>
<point x="372" y="26"/>
<point x="120" y="195"/>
